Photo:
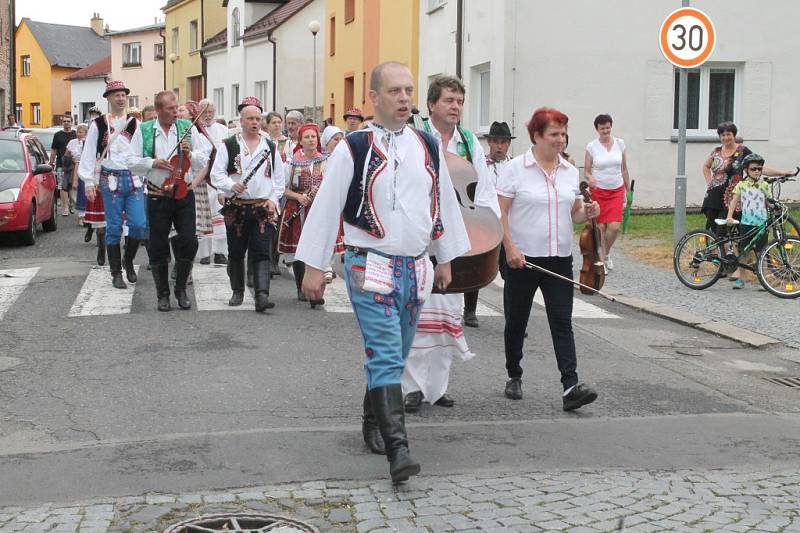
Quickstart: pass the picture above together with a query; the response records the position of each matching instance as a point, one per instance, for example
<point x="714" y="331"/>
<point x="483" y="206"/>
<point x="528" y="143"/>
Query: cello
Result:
<point x="593" y="269"/>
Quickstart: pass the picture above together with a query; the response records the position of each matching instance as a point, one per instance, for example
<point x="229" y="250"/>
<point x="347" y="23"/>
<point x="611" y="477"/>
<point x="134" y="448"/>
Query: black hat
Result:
<point x="499" y="130"/>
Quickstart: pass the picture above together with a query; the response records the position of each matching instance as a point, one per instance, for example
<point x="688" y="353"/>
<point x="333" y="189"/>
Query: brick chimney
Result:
<point x="97" y="24"/>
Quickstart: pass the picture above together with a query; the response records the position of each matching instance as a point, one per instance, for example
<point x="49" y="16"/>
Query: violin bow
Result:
<point x="188" y="131"/>
<point x="532" y="266"/>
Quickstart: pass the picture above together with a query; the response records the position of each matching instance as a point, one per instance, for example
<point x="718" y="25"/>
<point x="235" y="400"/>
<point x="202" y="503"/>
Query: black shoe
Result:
<point x="261" y="279"/>
<point x="236" y="299"/>
<point x="101" y="248"/>
<point x="370" y="429"/>
<point x="315" y="303"/>
<point x="387" y="404"/>
<point x="131" y="247"/>
<point x="300" y="296"/>
<point x="183" y="270"/>
<point x="236" y="277"/>
<point x="205" y="260"/>
<point x="115" y="262"/>
<point x="445" y="401"/>
<point x="220" y="259"/>
<point x="160" y="273"/>
<point x="514" y="389"/>
<point x="413" y="401"/>
<point x="470" y="320"/>
<point x="579" y="396"/>
<point x="88" y="235"/>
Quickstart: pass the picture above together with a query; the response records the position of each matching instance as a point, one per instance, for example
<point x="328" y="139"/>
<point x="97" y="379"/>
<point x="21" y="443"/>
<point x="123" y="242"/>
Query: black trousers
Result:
<point x="164" y="212"/>
<point x="249" y="231"/>
<point x="520" y="287"/>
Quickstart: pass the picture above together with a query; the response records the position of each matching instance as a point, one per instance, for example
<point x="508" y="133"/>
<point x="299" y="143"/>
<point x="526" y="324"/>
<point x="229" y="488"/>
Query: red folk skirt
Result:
<point x="95" y="211"/>
<point x="289" y="235"/>
<point x="612" y="203"/>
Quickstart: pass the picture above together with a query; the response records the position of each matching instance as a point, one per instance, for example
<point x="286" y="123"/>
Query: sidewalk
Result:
<point x="721" y="500"/>
<point x="751" y="308"/>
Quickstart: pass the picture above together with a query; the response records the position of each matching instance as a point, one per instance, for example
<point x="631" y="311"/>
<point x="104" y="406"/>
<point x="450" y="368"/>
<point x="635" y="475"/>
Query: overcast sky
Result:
<point x="118" y="14"/>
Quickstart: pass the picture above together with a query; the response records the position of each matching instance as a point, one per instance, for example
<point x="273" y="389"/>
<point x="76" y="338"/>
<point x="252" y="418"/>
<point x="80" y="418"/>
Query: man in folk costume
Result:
<point x="353" y="118"/>
<point x="217" y="242"/>
<point x="499" y="139"/>
<point x="294" y="119"/>
<point x="390" y="185"/>
<point x="121" y="192"/>
<point x="169" y="199"/>
<point x="249" y="172"/>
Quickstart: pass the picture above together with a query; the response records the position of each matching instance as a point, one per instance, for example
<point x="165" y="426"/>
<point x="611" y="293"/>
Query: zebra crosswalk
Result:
<point x="210" y="291"/>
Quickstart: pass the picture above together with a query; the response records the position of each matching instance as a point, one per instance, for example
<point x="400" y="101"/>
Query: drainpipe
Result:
<point x="13" y="62"/>
<point x="164" y="48"/>
<point x="202" y="41"/>
<point x="274" y="70"/>
<point x="459" y="36"/>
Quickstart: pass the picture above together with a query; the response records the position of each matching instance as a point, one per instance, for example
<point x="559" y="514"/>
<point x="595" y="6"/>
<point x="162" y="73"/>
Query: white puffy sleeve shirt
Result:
<point x="265" y="184"/>
<point x="540" y="216"/>
<point x="402" y="204"/>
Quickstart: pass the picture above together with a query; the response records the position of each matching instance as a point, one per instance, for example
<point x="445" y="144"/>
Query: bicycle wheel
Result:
<point x="779" y="268"/>
<point x="698" y="259"/>
<point x="791" y="228"/>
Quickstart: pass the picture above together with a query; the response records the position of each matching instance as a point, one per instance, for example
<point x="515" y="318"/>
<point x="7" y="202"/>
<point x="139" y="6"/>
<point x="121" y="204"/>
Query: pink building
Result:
<point x="137" y="58"/>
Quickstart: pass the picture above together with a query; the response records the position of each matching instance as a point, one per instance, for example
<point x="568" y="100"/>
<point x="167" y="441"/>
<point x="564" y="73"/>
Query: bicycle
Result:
<point x="701" y="257"/>
<point x="791" y="227"/>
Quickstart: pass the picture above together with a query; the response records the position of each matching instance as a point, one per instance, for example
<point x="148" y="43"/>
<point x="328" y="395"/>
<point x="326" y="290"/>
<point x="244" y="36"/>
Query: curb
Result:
<point x="687" y="318"/>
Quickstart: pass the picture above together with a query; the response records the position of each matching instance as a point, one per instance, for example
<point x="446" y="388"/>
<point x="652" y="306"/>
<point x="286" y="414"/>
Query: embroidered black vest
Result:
<point x="102" y="132"/>
<point x="232" y="145"/>
<point x="360" y="197"/>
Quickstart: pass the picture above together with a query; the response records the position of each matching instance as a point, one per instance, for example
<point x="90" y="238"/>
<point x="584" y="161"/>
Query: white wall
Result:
<point x="217" y="76"/>
<point x="258" y="61"/>
<point x="88" y="91"/>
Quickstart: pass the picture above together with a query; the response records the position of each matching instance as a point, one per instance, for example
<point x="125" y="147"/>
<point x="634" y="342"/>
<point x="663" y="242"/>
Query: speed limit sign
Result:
<point x="687" y="37"/>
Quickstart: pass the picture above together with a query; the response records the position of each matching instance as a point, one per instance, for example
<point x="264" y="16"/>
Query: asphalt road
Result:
<point x="199" y="400"/>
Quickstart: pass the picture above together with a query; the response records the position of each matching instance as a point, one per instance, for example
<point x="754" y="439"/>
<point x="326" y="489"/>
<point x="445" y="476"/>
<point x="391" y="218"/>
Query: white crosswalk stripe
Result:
<point x="12" y="284"/>
<point x="580" y="308"/>
<point x="99" y="297"/>
<point x="212" y="289"/>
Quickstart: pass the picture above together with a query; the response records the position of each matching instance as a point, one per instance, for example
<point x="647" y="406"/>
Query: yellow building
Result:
<point x="45" y="55"/>
<point x="189" y="23"/>
<point x="360" y="34"/>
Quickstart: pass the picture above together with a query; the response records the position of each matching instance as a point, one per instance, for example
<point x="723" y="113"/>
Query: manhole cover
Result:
<point x="793" y="382"/>
<point x="241" y="523"/>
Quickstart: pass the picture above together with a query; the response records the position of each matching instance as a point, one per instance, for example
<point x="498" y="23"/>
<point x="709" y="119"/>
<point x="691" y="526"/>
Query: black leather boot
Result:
<point x="101" y="247"/>
<point x="131" y="247"/>
<point x="161" y="279"/>
<point x="299" y="269"/>
<point x="183" y="271"/>
<point x="370" y="430"/>
<point x="262" y="286"/>
<point x="115" y="262"/>
<point x="87" y="237"/>
<point x="470" y="305"/>
<point x="251" y="271"/>
<point x="387" y="403"/>
<point x="236" y="276"/>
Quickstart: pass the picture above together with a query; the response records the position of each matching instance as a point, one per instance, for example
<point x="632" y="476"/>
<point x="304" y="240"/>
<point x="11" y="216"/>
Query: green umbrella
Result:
<point x="626" y="215"/>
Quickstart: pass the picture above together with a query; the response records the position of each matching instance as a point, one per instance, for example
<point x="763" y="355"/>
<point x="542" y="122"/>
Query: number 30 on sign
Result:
<point x="687" y="37"/>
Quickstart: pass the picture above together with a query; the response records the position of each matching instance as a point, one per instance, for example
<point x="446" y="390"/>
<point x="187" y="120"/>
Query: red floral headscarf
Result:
<point x="303" y="128"/>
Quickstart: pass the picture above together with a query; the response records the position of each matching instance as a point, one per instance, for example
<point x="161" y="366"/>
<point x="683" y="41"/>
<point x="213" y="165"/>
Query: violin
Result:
<point x="593" y="269"/>
<point x="175" y="184"/>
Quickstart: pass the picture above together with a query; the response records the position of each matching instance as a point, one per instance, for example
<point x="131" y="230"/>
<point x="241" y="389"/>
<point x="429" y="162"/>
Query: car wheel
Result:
<point x="28" y="236"/>
<point x="52" y="223"/>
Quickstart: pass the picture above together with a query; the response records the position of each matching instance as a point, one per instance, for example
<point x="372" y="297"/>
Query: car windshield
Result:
<point x="46" y="137"/>
<point x="12" y="158"/>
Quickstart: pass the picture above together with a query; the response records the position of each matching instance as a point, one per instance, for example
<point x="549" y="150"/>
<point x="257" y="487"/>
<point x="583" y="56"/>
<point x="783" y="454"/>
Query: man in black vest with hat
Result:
<point x="499" y="140"/>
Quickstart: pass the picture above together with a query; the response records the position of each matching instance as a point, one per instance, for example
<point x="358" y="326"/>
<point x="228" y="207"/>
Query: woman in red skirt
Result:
<point x="606" y="169"/>
<point x="304" y="176"/>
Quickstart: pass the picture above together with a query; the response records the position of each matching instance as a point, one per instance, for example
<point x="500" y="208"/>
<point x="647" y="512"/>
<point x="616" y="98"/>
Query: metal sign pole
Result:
<point x="679" y="220"/>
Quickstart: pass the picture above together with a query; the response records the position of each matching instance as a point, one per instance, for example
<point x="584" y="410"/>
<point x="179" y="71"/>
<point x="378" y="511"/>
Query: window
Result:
<point x="36" y="113"/>
<point x="349" y="11"/>
<point x="262" y="92"/>
<point x="175" y="35"/>
<point x="433" y="5"/>
<point x="158" y="52"/>
<point x="482" y="82"/>
<point x="193" y="36"/>
<point x="85" y="107"/>
<point x="234" y="97"/>
<point x="18" y="112"/>
<point x="711" y="98"/>
<point x="219" y="100"/>
<point x="133" y="101"/>
<point x="236" y="28"/>
<point x="349" y="88"/>
<point x="132" y="55"/>
<point x="332" y="34"/>
<point x="26" y="65"/>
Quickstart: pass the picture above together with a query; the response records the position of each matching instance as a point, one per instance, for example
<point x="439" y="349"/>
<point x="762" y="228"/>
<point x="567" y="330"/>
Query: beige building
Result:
<point x="137" y="58"/>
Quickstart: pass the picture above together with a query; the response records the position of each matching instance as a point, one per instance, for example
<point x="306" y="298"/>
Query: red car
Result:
<point x="27" y="186"/>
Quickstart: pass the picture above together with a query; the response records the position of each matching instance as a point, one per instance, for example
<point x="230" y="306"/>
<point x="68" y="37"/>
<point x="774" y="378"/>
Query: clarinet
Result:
<point x="229" y="201"/>
<point x="311" y="194"/>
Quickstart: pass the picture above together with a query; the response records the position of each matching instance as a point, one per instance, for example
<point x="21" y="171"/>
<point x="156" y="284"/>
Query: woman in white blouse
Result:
<point x="539" y="200"/>
<point x="606" y="169"/>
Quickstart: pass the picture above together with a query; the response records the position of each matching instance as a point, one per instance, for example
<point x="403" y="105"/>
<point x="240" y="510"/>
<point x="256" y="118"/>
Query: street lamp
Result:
<point x="313" y="27"/>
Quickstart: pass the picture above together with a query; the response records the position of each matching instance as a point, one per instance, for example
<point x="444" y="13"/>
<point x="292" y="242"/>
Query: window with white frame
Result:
<point x="133" y="101"/>
<point x="219" y="100"/>
<point x="234" y="97"/>
<point x="158" y="52"/>
<point x="262" y="92"/>
<point x="132" y="54"/>
<point x="193" y="33"/>
<point x="176" y="49"/>
<point x="18" y="112"/>
<point x="712" y="97"/>
<point x="482" y="82"/>
<point x="36" y="113"/>
<point x="26" y="65"/>
<point x="236" y="28"/>
<point x="433" y="5"/>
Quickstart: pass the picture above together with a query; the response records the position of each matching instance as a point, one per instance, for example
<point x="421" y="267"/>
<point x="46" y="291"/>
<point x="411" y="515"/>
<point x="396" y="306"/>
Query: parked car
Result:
<point x="27" y="186"/>
<point x="45" y="135"/>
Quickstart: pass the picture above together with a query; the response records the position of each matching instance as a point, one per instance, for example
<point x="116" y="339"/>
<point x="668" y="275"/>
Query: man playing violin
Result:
<point x="247" y="170"/>
<point x="168" y="150"/>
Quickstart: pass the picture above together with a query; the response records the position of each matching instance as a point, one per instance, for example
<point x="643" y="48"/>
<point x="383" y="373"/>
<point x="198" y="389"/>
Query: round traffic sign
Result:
<point x="687" y="37"/>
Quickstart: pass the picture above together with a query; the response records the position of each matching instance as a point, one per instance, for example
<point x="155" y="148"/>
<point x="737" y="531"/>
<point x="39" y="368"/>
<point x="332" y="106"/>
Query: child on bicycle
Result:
<point x="752" y="192"/>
